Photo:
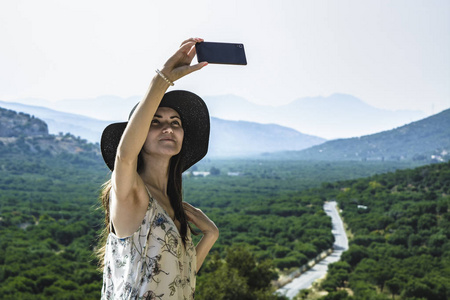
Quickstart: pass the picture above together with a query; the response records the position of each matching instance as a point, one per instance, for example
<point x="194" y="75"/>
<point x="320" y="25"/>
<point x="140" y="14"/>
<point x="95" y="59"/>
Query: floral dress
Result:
<point x="152" y="263"/>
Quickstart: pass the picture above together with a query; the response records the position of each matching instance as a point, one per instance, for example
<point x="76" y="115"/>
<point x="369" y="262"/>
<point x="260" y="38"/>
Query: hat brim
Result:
<point x="196" y="124"/>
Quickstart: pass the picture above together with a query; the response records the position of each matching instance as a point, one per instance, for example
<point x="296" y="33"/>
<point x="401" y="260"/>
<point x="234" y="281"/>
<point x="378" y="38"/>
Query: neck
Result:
<point x="155" y="173"/>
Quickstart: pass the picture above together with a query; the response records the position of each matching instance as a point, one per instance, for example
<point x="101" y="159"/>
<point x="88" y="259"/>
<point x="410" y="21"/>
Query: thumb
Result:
<point x="198" y="66"/>
<point x="185" y="70"/>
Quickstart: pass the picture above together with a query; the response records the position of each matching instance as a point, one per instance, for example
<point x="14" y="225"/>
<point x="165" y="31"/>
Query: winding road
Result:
<point x="305" y="280"/>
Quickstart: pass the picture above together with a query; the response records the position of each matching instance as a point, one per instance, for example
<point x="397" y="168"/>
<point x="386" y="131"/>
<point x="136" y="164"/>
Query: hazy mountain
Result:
<point x="85" y="127"/>
<point x="424" y="140"/>
<point x="228" y="138"/>
<point x="100" y="108"/>
<point x="336" y="116"/>
<point x="241" y="138"/>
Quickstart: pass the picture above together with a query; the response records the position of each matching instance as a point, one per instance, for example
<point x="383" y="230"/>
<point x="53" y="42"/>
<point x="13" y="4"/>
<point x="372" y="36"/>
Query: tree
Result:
<point x="394" y="285"/>
<point x="239" y="276"/>
<point x="354" y="255"/>
<point x="214" y="171"/>
<point x="339" y="295"/>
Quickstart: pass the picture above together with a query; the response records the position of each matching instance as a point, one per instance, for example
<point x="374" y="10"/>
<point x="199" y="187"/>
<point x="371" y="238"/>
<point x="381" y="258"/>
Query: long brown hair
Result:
<point x="174" y="191"/>
<point x="104" y="201"/>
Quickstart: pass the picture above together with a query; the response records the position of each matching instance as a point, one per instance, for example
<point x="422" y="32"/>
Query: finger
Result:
<point x="189" y="217"/>
<point x="188" y="49"/>
<point x="185" y="204"/>
<point x="184" y="49"/>
<point x="187" y="41"/>
<point x="180" y="57"/>
<point x="192" y="52"/>
<point x="190" y="214"/>
<point x="195" y="40"/>
<point x="188" y="207"/>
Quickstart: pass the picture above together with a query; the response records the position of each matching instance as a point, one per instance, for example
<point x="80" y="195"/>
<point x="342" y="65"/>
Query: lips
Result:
<point x="169" y="139"/>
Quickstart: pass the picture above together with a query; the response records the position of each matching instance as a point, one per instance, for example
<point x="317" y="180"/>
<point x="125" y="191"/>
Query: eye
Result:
<point x="155" y="121"/>
<point x="177" y="123"/>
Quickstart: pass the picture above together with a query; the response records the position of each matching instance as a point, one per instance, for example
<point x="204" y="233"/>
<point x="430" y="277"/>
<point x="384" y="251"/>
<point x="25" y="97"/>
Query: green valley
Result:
<point x="269" y="213"/>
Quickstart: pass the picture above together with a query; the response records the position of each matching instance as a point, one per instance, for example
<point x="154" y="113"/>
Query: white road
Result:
<point x="305" y="280"/>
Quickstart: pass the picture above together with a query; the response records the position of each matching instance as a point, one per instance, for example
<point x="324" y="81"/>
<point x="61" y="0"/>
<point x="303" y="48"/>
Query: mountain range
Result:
<point x="335" y="116"/>
<point x="57" y="121"/>
<point x="241" y="138"/>
<point x="228" y="138"/>
<point x="426" y="140"/>
<point x="423" y="140"/>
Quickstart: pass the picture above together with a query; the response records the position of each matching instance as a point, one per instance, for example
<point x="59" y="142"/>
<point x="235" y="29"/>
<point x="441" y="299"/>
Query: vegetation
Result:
<point x="49" y="222"/>
<point x="401" y="245"/>
<point x="269" y="213"/>
<point x="48" y="227"/>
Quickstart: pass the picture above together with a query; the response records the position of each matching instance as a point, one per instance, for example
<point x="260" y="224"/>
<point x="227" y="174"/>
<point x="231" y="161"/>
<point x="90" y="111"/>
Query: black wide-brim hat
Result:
<point x="194" y="117"/>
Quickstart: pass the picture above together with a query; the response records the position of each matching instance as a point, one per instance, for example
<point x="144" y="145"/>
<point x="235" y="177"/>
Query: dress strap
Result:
<point x="109" y="208"/>
<point x="148" y="234"/>
<point x="148" y="192"/>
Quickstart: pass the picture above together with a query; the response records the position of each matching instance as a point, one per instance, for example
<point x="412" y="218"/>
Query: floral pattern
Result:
<point x="152" y="263"/>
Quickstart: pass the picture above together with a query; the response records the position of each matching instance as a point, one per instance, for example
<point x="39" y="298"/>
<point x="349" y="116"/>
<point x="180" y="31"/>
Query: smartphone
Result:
<point x="221" y="53"/>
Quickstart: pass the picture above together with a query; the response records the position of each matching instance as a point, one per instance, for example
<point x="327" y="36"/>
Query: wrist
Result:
<point x="168" y="73"/>
<point x="164" y="77"/>
<point x="158" y="81"/>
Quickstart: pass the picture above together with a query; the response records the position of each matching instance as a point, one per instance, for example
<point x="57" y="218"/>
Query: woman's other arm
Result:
<point x="207" y="227"/>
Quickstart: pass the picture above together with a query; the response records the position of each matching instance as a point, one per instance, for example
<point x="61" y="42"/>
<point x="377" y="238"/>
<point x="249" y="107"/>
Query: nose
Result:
<point x="167" y="129"/>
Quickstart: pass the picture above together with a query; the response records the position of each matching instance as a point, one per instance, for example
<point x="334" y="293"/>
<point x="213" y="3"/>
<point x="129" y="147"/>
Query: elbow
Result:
<point x="216" y="232"/>
<point x="213" y="234"/>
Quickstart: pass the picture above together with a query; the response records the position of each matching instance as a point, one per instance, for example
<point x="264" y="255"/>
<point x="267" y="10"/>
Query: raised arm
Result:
<point x="130" y="198"/>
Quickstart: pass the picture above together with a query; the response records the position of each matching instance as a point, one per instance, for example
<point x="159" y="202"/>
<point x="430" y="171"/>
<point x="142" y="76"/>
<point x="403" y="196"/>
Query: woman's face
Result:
<point x="166" y="133"/>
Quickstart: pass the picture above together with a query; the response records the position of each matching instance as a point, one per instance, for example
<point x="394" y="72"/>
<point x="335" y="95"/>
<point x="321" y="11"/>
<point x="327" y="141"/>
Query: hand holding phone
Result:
<point x="221" y="53"/>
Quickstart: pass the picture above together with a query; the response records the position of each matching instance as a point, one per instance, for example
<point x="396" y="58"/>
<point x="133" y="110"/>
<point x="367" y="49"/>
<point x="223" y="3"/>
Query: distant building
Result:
<point x="437" y="158"/>
<point x="199" y="173"/>
<point x="233" y="173"/>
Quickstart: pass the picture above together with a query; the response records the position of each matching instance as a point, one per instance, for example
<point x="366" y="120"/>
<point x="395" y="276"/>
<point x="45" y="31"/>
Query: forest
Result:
<point x="400" y="223"/>
<point x="270" y="215"/>
<point x="270" y="220"/>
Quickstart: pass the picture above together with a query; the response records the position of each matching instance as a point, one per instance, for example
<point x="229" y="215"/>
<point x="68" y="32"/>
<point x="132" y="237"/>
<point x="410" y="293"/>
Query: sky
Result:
<point x="391" y="54"/>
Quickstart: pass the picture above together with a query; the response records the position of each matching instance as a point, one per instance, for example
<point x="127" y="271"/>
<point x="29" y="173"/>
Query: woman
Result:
<point x="149" y="252"/>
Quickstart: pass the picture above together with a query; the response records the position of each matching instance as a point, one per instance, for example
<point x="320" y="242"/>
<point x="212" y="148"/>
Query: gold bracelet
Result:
<point x="164" y="77"/>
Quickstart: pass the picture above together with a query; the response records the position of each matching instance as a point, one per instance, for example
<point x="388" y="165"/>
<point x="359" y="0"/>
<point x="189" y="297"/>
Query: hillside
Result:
<point x="24" y="134"/>
<point x="427" y="140"/>
<point x="400" y="224"/>
<point x="14" y="125"/>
